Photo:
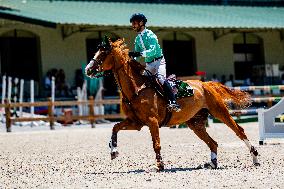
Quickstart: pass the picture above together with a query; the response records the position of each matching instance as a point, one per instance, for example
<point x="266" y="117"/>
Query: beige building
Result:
<point x="31" y="44"/>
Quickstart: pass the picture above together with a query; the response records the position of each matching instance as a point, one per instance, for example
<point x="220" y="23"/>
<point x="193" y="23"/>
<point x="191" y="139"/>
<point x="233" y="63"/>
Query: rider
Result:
<point x="147" y="46"/>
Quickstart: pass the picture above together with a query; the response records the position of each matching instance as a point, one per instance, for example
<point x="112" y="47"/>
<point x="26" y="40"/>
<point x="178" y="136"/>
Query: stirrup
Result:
<point x="174" y="107"/>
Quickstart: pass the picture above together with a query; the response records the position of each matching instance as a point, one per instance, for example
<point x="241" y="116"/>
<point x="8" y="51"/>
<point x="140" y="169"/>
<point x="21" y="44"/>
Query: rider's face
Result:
<point x="137" y="26"/>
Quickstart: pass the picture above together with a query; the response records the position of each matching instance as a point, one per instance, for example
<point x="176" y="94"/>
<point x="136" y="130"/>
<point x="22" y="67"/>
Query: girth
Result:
<point x="167" y="118"/>
<point x="165" y="121"/>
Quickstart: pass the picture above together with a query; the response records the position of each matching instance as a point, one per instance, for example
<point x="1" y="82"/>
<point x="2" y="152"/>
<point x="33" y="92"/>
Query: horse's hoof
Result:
<point x="211" y="165"/>
<point x="161" y="166"/>
<point x="256" y="164"/>
<point x="114" y="155"/>
<point x="152" y="169"/>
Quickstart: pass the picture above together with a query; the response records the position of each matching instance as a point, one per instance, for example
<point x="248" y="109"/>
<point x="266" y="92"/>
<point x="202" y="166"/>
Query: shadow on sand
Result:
<point x="168" y="170"/>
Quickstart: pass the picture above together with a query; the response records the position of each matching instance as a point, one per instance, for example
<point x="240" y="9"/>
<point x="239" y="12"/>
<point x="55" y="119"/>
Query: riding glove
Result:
<point x="134" y="54"/>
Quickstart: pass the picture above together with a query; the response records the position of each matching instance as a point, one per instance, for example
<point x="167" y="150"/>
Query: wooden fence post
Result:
<point x="50" y="114"/>
<point x="8" y="115"/>
<point x="91" y="111"/>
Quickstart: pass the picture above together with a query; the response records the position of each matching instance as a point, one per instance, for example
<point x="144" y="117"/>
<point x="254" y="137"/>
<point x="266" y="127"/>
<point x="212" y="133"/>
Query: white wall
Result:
<point x="212" y="56"/>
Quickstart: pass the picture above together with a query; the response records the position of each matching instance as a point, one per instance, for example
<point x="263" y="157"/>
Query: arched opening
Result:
<point x="20" y="55"/>
<point x="179" y="52"/>
<point x="92" y="41"/>
<point x="248" y="57"/>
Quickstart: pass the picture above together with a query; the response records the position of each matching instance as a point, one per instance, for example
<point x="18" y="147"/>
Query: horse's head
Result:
<point x="111" y="56"/>
<point x="101" y="61"/>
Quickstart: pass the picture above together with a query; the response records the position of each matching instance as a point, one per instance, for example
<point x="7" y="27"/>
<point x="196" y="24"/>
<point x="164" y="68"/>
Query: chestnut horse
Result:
<point x="143" y="105"/>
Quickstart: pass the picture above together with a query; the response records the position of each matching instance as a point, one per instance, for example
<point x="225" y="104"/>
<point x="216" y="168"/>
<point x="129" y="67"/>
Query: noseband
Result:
<point x="98" y="63"/>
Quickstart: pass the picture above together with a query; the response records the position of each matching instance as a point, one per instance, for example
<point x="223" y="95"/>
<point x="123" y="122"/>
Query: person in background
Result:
<point x="214" y="78"/>
<point x="147" y="46"/>
<point x="223" y="79"/>
<point x="47" y="80"/>
<point x="230" y="82"/>
<point x="247" y="82"/>
<point x="61" y="84"/>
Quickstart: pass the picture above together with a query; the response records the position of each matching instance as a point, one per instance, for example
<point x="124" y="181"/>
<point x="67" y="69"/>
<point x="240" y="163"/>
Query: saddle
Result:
<point x="180" y="88"/>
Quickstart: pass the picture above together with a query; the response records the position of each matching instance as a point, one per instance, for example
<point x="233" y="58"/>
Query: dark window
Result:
<point x="247" y="57"/>
<point x="180" y="58"/>
<point x="19" y="57"/>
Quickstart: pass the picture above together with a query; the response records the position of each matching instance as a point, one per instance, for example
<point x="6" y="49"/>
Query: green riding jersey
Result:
<point x="147" y="43"/>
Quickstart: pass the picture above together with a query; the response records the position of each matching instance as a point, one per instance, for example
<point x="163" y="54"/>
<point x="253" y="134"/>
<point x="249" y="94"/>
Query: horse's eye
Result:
<point x="103" y="53"/>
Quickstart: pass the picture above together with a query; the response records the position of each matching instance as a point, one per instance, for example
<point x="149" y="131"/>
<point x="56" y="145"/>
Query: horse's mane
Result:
<point x="121" y="50"/>
<point x="131" y="66"/>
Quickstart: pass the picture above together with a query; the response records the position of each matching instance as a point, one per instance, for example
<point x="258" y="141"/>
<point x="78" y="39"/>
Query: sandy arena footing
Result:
<point x="78" y="157"/>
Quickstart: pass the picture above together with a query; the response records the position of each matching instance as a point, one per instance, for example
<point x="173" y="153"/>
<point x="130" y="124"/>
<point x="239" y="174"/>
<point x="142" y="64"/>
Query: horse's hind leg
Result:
<point x="197" y="124"/>
<point x="127" y="124"/>
<point x="224" y="116"/>
<point x="154" y="130"/>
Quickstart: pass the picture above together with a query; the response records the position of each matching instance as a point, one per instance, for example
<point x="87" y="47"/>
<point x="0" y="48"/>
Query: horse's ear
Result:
<point x="107" y="41"/>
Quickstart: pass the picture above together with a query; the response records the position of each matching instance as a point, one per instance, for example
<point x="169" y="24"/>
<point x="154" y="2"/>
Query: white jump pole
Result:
<point x="21" y="96"/>
<point x="32" y="101"/>
<point x="3" y="89"/>
<point x="79" y="98"/>
<point x="99" y="109"/>
<point x="52" y="91"/>
<point x="9" y="88"/>
<point x="81" y="95"/>
<point x="3" y="96"/>
<point x="84" y="97"/>
<point x="15" y="89"/>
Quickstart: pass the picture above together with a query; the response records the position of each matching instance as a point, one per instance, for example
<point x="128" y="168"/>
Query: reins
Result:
<point x="128" y="101"/>
<point x="124" y="97"/>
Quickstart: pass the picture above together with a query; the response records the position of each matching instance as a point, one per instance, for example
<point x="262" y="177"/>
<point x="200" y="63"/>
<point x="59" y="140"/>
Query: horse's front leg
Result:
<point x="154" y="129"/>
<point x="127" y="124"/>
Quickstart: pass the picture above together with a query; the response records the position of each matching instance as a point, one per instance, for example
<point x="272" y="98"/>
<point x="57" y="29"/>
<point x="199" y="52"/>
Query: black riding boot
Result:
<point x="172" y="103"/>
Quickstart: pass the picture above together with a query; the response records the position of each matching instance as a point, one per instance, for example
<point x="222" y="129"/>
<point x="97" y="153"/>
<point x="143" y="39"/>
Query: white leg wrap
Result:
<point x="213" y="163"/>
<point x="213" y="155"/>
<point x="112" y="148"/>
<point x="254" y="157"/>
<point x="247" y="143"/>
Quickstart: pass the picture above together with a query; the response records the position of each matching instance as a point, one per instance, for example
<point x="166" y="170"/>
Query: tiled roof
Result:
<point x="159" y="15"/>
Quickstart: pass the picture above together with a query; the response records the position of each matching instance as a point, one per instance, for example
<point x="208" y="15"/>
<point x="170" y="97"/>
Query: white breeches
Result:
<point x="157" y="68"/>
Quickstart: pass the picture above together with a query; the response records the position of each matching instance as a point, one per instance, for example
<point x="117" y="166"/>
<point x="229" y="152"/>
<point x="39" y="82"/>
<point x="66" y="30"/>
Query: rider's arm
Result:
<point x="136" y="46"/>
<point x="151" y="51"/>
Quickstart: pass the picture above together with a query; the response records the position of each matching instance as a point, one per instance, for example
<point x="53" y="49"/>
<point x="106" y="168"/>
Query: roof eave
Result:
<point x="44" y="23"/>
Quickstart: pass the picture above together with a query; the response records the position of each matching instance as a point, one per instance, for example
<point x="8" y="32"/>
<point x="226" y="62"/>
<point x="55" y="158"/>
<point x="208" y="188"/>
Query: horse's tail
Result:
<point x="240" y="99"/>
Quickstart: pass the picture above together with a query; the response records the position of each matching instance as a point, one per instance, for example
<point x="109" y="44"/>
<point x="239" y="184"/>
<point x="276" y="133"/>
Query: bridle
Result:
<point x="97" y="65"/>
<point x="101" y="73"/>
<point x="99" y="61"/>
